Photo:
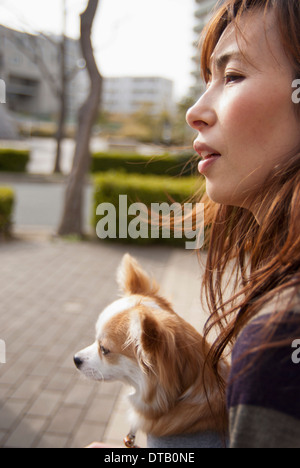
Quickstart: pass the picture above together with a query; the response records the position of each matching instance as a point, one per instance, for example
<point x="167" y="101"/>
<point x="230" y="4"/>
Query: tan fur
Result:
<point x="174" y="355"/>
<point x="167" y="356"/>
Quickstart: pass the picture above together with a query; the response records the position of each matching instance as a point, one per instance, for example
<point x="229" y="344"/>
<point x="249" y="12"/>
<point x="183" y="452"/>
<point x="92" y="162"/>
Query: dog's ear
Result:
<point x="152" y="336"/>
<point x="159" y="354"/>
<point x="165" y="353"/>
<point x="132" y="279"/>
<point x="150" y="340"/>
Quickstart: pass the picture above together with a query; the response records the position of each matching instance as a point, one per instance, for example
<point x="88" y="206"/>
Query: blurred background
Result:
<point x="147" y="55"/>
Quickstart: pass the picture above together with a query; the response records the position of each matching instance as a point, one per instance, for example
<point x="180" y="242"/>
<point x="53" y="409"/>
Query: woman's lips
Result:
<point x="206" y="163"/>
<point x="209" y="156"/>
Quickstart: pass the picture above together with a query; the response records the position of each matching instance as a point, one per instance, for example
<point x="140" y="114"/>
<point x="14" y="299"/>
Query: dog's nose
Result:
<point x="77" y="361"/>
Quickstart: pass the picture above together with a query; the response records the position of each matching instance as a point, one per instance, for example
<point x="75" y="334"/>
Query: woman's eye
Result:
<point x="232" y="78"/>
<point x="104" y="351"/>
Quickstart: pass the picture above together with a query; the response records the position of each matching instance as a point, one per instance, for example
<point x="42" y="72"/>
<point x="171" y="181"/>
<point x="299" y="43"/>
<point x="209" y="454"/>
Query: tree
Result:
<point x="57" y="82"/>
<point x="72" y="218"/>
<point x="182" y="133"/>
<point x="61" y="95"/>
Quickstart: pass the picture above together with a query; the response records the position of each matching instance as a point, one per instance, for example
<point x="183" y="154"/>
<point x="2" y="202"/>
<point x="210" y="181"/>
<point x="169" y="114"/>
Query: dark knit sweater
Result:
<point x="263" y="394"/>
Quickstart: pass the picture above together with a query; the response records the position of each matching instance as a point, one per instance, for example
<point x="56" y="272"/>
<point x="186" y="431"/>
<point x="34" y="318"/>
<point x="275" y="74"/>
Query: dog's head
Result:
<point x="116" y="352"/>
<point x="139" y="339"/>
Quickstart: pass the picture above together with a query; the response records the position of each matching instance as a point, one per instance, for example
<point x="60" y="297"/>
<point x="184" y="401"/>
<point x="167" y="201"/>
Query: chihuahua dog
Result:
<point x="142" y="342"/>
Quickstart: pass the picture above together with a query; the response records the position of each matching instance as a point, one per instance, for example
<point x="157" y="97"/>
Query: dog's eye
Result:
<point x="104" y="351"/>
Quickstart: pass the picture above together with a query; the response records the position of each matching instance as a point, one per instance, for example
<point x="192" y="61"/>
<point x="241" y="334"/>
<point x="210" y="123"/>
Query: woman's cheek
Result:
<point x="245" y="118"/>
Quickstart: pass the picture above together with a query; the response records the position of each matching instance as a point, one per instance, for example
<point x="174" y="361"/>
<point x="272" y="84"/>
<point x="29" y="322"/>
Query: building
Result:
<point x="127" y="95"/>
<point x="203" y="11"/>
<point x="30" y="67"/>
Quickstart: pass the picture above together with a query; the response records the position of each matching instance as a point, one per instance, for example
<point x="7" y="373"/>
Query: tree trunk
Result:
<point x="72" y="219"/>
<point x="62" y="105"/>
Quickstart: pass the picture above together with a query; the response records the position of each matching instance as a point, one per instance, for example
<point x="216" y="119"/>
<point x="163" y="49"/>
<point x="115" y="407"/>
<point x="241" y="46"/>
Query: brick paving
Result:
<point x="51" y="292"/>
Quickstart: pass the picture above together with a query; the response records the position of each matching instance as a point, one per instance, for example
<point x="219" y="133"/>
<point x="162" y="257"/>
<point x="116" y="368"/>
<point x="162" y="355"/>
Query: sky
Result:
<point x="130" y="37"/>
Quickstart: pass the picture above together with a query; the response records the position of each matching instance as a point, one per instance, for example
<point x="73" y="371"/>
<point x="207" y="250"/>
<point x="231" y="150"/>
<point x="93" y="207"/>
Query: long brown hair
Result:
<point x="263" y="259"/>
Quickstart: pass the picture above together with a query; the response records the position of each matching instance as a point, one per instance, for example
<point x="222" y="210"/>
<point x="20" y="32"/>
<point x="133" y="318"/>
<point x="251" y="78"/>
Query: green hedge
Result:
<point x="166" y="164"/>
<point x="139" y="189"/>
<point x="7" y="200"/>
<point x="12" y="160"/>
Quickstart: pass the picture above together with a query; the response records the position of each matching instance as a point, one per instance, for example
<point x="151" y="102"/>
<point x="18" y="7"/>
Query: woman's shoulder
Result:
<point x="277" y="322"/>
<point x="278" y="317"/>
<point x="264" y="382"/>
<point x="284" y="300"/>
<point x="263" y="372"/>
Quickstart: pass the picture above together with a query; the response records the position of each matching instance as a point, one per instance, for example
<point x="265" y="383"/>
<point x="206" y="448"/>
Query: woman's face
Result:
<point x="246" y="117"/>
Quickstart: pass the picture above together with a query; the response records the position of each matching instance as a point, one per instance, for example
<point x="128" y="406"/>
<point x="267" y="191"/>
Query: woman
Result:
<point x="249" y="140"/>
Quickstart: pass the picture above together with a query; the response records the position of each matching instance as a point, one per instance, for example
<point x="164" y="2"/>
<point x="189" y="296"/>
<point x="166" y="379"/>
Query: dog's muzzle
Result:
<point x="78" y="362"/>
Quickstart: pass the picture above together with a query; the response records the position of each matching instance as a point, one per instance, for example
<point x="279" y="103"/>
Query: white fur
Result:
<point x="129" y="363"/>
<point x="126" y="370"/>
<point x="91" y="362"/>
<point x="98" y="369"/>
<point x="95" y="368"/>
<point x="114" y="309"/>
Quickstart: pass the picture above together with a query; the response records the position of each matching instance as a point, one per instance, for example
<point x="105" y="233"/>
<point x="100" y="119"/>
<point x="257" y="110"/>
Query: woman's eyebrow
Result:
<point x="220" y="61"/>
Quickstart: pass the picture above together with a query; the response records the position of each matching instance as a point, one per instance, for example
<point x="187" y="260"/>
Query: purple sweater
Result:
<point x="263" y="394"/>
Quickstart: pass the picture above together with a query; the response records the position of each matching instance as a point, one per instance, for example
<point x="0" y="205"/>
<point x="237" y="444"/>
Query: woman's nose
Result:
<point x="200" y="115"/>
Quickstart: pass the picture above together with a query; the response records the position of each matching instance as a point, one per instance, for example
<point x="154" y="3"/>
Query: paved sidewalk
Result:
<point x="51" y="292"/>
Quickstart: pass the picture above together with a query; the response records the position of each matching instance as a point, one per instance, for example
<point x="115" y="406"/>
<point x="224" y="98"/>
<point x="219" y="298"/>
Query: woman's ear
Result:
<point x="132" y="279"/>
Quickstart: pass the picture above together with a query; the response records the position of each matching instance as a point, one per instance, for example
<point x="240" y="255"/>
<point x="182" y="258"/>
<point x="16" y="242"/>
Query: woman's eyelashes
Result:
<point x="232" y="78"/>
<point x="227" y="78"/>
